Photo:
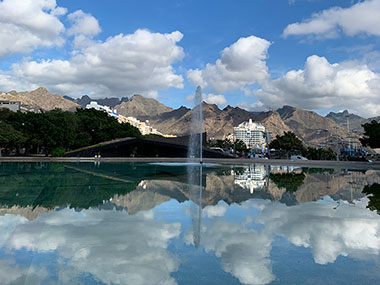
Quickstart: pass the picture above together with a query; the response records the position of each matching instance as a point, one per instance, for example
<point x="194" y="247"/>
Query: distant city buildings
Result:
<point x="16" y="106"/>
<point x="253" y="134"/>
<point x="13" y="106"/>
<point x="143" y="127"/>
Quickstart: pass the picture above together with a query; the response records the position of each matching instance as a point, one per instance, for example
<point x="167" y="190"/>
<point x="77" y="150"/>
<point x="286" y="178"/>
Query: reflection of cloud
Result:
<point x="12" y="273"/>
<point x="110" y="245"/>
<point x="329" y="232"/>
<point x="244" y="253"/>
<point x="215" y="211"/>
<point x="8" y="224"/>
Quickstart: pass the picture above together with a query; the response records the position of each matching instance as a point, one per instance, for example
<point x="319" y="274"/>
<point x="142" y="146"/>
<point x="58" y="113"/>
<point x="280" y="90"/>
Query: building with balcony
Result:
<point x="251" y="133"/>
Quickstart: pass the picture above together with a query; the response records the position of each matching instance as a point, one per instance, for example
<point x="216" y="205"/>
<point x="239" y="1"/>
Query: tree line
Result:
<point x="55" y="132"/>
<point x="288" y="143"/>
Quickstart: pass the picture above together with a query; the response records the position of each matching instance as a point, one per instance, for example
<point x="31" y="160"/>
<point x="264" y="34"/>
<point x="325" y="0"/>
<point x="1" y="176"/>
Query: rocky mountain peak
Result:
<point x="141" y="107"/>
<point x="286" y="111"/>
<point x="40" y="98"/>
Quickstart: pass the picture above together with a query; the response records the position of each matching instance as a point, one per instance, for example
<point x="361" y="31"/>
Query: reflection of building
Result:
<point x="253" y="178"/>
<point x="282" y="169"/>
<point x="251" y="133"/>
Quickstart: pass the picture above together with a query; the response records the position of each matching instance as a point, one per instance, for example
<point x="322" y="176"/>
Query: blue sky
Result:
<point x="257" y="54"/>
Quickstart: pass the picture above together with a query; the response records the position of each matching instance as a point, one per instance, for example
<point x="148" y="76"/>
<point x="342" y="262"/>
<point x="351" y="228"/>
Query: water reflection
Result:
<point x="144" y="224"/>
<point x="109" y="246"/>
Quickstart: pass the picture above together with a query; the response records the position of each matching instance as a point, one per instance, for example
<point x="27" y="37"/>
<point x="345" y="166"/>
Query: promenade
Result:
<point x="221" y="161"/>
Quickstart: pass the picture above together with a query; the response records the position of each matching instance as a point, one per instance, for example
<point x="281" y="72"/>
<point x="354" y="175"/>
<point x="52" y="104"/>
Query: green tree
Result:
<point x="374" y="196"/>
<point x="288" y="141"/>
<point x="55" y="132"/>
<point x="240" y="146"/>
<point x="319" y="153"/>
<point x="371" y="134"/>
<point x="10" y="138"/>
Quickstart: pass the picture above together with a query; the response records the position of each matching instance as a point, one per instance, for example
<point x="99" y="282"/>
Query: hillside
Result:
<point x="141" y="108"/>
<point x="307" y="125"/>
<point x="40" y="98"/>
<point x="217" y="123"/>
<point x="311" y="127"/>
<point x="355" y="121"/>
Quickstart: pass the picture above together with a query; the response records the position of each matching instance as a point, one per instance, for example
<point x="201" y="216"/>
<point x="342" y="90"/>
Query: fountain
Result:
<point x="195" y="141"/>
<point x="195" y="168"/>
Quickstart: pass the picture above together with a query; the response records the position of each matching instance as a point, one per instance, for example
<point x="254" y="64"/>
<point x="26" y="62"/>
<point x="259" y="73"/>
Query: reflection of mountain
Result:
<point x="136" y="245"/>
<point x="30" y="189"/>
<point x="29" y="212"/>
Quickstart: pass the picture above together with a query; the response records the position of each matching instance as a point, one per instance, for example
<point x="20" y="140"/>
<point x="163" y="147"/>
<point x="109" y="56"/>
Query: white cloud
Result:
<point x="361" y="18"/>
<point x="111" y="245"/>
<point x="217" y="99"/>
<point x="83" y="24"/>
<point x="195" y="77"/>
<point x="241" y="64"/>
<point x="28" y="24"/>
<point x="324" y="85"/>
<point x="210" y="98"/>
<point x="122" y="65"/>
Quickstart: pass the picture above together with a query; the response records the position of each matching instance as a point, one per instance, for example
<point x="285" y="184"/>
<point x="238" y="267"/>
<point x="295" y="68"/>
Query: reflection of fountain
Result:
<point x="195" y="171"/>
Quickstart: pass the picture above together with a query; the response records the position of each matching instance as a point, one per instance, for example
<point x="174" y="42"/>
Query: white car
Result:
<point x="298" y="157"/>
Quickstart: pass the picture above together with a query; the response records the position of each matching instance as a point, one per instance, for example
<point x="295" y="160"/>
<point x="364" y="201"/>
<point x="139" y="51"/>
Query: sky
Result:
<point x="321" y="55"/>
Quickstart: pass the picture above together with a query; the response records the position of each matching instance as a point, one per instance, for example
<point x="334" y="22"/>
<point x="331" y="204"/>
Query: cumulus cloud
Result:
<point x="241" y="64"/>
<point x="124" y="64"/>
<point x="110" y="245"/>
<point x="210" y="98"/>
<point x="217" y="99"/>
<point x="361" y="18"/>
<point x="83" y="23"/>
<point x="28" y="24"/>
<point x="324" y="85"/>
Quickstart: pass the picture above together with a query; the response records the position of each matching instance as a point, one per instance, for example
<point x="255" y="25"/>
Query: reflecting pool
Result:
<point x="141" y="223"/>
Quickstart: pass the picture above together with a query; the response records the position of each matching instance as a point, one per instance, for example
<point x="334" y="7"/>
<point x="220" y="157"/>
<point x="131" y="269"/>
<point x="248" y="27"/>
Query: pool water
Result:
<point x="141" y="223"/>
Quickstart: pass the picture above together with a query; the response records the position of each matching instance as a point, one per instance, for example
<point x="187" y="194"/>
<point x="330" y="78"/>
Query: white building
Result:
<point x="143" y="127"/>
<point x="14" y="106"/>
<point x="251" y="133"/>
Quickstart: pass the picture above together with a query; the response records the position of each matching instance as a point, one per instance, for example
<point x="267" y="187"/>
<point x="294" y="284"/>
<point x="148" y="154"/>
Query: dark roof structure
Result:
<point x="143" y="147"/>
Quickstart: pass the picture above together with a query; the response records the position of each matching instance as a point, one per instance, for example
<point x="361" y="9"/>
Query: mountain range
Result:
<point x="85" y="99"/>
<point x="40" y="99"/>
<point x="354" y="122"/>
<point x="309" y="126"/>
